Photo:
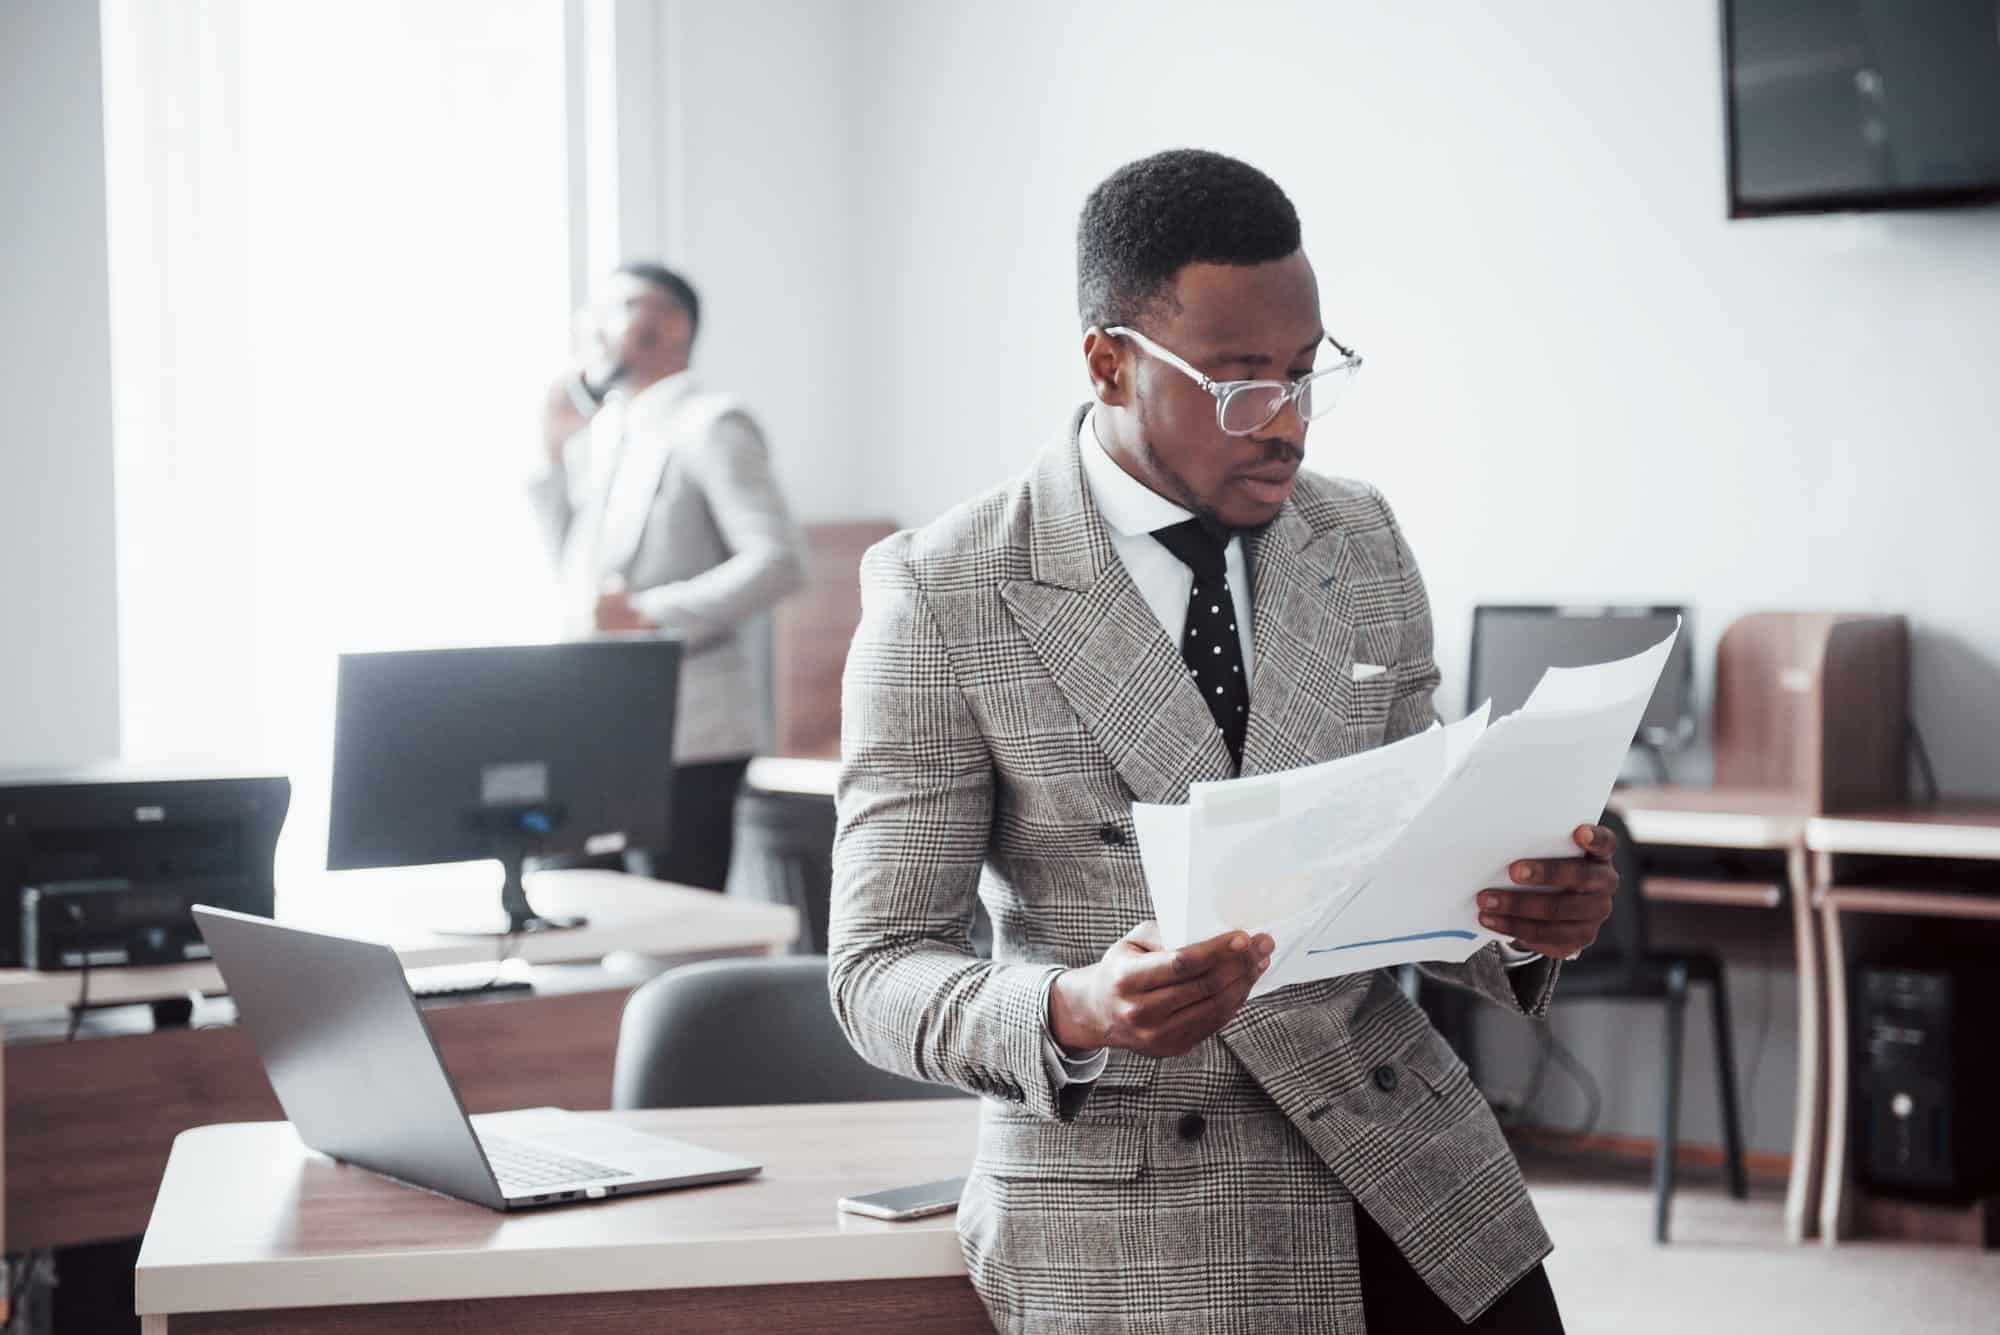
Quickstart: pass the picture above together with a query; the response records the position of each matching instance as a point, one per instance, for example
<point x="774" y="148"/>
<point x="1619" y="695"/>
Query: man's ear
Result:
<point x="1105" y="361"/>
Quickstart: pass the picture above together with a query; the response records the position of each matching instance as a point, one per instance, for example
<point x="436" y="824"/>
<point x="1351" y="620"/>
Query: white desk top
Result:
<point x="1949" y="829"/>
<point x="793" y="774"/>
<point x="1704" y="817"/>
<point x="628" y="913"/>
<point x="248" y="1218"/>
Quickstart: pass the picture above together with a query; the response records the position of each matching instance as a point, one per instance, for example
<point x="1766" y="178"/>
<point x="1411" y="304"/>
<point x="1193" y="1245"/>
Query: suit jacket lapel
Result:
<point x="1302" y="631"/>
<point x="635" y="482"/>
<point x="1100" y="642"/>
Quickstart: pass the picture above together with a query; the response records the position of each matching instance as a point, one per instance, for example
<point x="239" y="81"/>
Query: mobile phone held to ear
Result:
<point x="900" y="1203"/>
<point x="596" y="392"/>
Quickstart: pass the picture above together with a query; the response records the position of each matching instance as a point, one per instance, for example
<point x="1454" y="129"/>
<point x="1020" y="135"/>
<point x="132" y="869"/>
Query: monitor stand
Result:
<point x="1659" y="758"/>
<point x="514" y="835"/>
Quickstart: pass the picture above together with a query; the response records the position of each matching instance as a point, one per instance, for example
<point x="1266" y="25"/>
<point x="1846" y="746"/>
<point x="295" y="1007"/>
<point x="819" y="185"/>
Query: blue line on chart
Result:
<point x="1393" y="940"/>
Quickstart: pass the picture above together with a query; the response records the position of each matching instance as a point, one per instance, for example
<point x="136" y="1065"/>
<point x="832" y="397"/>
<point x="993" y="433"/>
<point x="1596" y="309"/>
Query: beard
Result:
<point x="1184" y="495"/>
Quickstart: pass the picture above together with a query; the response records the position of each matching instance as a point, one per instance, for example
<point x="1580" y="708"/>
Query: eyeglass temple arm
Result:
<point x="1123" y="331"/>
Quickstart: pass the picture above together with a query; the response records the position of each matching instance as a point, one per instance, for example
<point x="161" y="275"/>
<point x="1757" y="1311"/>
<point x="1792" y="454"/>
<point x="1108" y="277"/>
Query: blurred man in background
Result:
<point x="663" y="517"/>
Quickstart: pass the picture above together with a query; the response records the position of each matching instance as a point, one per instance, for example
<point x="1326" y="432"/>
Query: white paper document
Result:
<point x="1376" y="859"/>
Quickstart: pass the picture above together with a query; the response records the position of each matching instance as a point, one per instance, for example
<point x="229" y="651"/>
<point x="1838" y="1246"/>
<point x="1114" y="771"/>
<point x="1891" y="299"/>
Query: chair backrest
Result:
<point x="727" y="1033"/>
<point x="1624" y="934"/>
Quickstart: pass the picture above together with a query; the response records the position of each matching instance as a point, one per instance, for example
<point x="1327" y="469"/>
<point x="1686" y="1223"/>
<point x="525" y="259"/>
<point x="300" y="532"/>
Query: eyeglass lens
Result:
<point x="1253" y="406"/>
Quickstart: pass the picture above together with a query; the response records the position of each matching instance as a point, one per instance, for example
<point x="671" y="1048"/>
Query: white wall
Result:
<point x="58" y="570"/>
<point x="1582" y="381"/>
<point x="754" y="201"/>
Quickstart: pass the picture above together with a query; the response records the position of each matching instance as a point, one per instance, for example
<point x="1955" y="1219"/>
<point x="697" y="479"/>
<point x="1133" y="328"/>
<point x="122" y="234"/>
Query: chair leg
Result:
<point x="1670" y="1105"/>
<point x="1725" y="1079"/>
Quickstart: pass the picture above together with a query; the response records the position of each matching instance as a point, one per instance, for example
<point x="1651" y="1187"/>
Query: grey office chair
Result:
<point x="731" y="1033"/>
<point x="784" y="855"/>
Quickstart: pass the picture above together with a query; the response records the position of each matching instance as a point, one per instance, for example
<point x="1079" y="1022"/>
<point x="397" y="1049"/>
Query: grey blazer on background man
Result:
<point x="1009" y="695"/>
<point x="672" y="492"/>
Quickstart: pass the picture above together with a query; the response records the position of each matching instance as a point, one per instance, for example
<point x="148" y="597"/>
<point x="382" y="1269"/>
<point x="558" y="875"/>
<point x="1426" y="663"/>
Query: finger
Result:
<point x="1530" y="931"/>
<point x="1556" y="940"/>
<point x="1544" y="906"/>
<point x="1565" y="874"/>
<point x="1166" y="967"/>
<point x="1146" y="937"/>
<point x="1159" y="1005"/>
<point x="1596" y="841"/>
<point x="1195" y="1023"/>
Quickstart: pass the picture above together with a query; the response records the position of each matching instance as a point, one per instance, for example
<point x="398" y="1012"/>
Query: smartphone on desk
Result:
<point x="900" y="1203"/>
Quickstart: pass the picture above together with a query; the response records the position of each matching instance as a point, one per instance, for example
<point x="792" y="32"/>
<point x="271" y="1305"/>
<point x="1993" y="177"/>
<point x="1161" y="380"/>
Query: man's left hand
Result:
<point x="615" y="612"/>
<point x="1572" y="899"/>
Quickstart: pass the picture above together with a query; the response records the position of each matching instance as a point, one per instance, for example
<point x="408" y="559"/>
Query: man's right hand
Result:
<point x="1146" y="998"/>
<point x="561" y="418"/>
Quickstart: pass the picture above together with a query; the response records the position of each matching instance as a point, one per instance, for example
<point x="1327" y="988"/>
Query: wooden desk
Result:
<point x="1769" y="821"/>
<point x="254" y="1232"/>
<point x="88" y="1125"/>
<point x="1956" y="830"/>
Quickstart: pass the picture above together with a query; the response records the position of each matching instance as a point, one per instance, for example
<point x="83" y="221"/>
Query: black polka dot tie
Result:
<point x="1209" y="643"/>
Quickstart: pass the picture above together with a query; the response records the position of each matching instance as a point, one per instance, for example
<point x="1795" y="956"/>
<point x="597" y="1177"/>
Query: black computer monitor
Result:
<point x="452" y="755"/>
<point x="1512" y="645"/>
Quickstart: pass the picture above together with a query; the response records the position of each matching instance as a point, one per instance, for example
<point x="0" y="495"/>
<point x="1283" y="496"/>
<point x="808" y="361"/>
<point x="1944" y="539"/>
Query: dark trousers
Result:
<point x="1395" y="1299"/>
<point x="701" y="830"/>
<point x="701" y="826"/>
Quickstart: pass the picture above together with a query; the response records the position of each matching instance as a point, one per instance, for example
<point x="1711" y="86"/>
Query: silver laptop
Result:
<point x="358" y="1074"/>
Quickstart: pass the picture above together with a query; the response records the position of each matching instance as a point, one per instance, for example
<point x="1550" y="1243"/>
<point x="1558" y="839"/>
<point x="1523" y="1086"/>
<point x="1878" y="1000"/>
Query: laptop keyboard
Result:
<point x="524" y="1168"/>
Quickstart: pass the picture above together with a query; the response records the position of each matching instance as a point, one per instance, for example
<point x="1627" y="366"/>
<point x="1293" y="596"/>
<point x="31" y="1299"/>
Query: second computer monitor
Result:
<point x="452" y="755"/>
<point x="1513" y="644"/>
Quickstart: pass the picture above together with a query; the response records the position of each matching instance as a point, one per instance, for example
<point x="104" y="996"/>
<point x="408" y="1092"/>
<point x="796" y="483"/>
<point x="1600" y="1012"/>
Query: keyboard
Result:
<point x="523" y="1168"/>
<point x="464" y="980"/>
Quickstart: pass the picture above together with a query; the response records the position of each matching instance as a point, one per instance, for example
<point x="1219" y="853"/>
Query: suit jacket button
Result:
<point x="1192" y="1125"/>
<point x="1112" y="836"/>
<point x="1385" y="1077"/>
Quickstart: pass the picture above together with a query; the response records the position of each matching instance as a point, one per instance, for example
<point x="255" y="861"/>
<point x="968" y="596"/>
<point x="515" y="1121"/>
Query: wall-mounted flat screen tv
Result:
<point x="1861" y="104"/>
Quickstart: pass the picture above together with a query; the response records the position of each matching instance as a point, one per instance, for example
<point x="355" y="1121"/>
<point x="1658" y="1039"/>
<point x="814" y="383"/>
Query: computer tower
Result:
<point x="1927" y="1097"/>
<point x="139" y="838"/>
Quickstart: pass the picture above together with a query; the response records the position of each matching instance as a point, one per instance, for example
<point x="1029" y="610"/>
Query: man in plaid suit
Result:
<point x="1166" y="598"/>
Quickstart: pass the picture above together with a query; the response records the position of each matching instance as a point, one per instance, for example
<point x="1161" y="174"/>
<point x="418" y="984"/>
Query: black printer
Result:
<point x="100" y="866"/>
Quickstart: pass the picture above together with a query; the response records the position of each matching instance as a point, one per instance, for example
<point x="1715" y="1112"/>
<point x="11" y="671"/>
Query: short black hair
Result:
<point x="1149" y="218"/>
<point x="669" y="282"/>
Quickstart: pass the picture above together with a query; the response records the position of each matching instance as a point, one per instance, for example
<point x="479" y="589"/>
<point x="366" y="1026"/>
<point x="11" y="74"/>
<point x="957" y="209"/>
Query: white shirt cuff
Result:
<point x="1065" y="1069"/>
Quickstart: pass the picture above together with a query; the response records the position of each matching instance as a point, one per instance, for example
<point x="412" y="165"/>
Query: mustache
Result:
<point x="1280" y="452"/>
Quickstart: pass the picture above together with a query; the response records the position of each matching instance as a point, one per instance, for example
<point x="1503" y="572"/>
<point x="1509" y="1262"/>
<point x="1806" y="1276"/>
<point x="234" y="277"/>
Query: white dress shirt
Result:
<point x="1132" y="511"/>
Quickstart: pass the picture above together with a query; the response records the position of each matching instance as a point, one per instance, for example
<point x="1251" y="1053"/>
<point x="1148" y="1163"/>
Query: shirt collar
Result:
<point x="1129" y="506"/>
<point x="657" y="400"/>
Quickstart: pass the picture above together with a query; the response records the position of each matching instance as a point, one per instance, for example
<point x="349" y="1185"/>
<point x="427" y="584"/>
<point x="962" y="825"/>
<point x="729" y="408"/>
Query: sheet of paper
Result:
<point x="1460" y="738"/>
<point x="1525" y="783"/>
<point x="1268" y="853"/>
<point x="1603" y="685"/>
<point x="1265" y="850"/>
<point x="1163" y="843"/>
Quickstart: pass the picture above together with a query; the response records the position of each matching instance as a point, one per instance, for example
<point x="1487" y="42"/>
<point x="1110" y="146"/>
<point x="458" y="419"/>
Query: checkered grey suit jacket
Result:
<point x="1009" y="695"/>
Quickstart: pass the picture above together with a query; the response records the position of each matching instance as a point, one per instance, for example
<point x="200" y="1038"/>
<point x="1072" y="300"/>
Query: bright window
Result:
<point x="340" y="282"/>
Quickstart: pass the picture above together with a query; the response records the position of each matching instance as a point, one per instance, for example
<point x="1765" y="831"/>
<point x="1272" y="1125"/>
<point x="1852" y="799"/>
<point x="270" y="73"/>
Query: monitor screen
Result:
<point x="1858" y="104"/>
<point x="431" y="745"/>
<point x="1513" y="645"/>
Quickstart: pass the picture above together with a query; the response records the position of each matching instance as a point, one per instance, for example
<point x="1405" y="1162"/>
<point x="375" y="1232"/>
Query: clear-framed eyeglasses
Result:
<point x="1246" y="406"/>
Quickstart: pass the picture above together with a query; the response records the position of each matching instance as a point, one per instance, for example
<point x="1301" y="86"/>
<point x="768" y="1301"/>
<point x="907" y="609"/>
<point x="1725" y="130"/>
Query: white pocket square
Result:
<point x="1365" y="671"/>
